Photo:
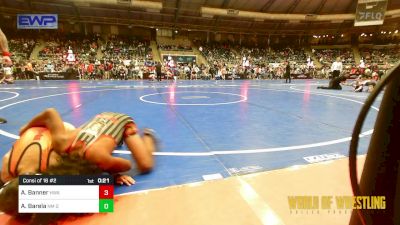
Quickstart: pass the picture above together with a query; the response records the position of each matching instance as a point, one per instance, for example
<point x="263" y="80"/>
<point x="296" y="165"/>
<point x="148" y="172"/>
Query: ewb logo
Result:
<point x="37" y="21"/>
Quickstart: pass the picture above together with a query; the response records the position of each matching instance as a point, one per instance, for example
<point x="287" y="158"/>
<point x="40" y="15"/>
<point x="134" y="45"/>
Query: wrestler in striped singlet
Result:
<point x="106" y="124"/>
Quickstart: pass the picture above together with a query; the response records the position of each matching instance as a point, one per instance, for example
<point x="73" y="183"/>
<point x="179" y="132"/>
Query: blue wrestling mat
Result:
<point x="208" y="129"/>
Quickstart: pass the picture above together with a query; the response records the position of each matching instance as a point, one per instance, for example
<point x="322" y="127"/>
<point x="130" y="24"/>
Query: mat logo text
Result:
<point x="336" y="202"/>
<point x="323" y="157"/>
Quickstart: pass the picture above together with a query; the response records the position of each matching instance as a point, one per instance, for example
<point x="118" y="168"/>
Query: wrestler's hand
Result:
<point x="122" y="179"/>
<point x="7" y="61"/>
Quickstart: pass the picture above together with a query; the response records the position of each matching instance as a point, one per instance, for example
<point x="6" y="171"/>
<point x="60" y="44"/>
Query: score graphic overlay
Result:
<point x="66" y="194"/>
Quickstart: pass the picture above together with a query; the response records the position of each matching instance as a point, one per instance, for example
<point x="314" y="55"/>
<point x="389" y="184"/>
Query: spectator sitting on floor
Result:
<point x="334" y="83"/>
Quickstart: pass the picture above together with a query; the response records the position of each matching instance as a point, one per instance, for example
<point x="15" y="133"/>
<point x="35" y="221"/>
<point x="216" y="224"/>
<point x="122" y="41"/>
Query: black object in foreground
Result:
<point x="3" y="120"/>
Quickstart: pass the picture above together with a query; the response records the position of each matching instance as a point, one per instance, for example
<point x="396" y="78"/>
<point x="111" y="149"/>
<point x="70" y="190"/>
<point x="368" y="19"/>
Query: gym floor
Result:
<point x="209" y="130"/>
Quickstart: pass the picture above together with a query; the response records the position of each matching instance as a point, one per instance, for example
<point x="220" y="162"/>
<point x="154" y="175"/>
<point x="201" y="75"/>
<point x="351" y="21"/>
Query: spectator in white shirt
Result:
<point x="362" y="66"/>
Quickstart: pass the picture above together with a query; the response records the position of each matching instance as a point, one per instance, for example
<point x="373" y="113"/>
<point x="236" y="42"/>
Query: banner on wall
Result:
<point x="37" y="21"/>
<point x="71" y="75"/>
<point x="181" y="58"/>
<point x="370" y="12"/>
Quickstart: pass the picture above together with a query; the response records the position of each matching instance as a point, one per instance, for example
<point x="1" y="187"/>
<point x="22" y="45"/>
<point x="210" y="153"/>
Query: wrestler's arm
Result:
<point x="116" y="165"/>
<point x="111" y="164"/>
<point x="49" y="118"/>
<point x="5" y="176"/>
<point x="52" y="120"/>
<point x="140" y="154"/>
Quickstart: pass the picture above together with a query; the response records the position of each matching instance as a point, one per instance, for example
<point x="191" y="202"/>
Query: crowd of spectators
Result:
<point x="22" y="47"/>
<point x="126" y="48"/>
<point x="215" y="53"/>
<point x="56" y="47"/>
<point x="277" y="55"/>
<point x="122" y="58"/>
<point x="380" y="56"/>
<point x="119" y="57"/>
<point x="94" y="58"/>
<point x="256" y="63"/>
<point x="327" y="56"/>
